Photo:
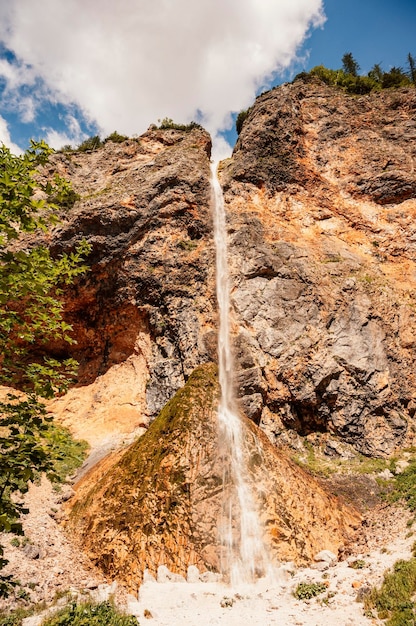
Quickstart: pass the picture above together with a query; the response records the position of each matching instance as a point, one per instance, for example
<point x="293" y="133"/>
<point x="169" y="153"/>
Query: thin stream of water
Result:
<point x="241" y="532"/>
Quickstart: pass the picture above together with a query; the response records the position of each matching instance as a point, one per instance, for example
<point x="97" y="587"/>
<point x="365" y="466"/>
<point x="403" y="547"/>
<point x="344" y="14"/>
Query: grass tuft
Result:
<point x="90" y="614"/>
<point x="394" y="600"/>
<point x="305" y="591"/>
<point x="69" y="453"/>
<point x="14" y="618"/>
<point x="404" y="487"/>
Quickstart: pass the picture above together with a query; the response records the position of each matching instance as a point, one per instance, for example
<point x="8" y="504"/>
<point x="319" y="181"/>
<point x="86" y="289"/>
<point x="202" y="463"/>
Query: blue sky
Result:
<point x="375" y="31"/>
<point x="73" y="68"/>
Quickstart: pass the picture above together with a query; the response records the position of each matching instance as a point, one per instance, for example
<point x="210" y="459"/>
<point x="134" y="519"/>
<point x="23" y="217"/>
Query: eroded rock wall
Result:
<point x="320" y="198"/>
<point x="147" y="304"/>
<point x="320" y="205"/>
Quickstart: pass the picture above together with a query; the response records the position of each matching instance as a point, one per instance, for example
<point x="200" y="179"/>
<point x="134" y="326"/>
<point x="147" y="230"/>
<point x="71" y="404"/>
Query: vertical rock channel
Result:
<point x="244" y="556"/>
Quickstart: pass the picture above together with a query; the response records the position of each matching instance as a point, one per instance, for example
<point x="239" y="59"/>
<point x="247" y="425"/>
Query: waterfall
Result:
<point x="241" y="534"/>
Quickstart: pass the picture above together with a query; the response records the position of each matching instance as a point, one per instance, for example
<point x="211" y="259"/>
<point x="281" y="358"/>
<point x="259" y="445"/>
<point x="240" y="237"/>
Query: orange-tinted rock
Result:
<point x="145" y="209"/>
<point x="160" y="502"/>
<point x="320" y="197"/>
<point x="321" y="210"/>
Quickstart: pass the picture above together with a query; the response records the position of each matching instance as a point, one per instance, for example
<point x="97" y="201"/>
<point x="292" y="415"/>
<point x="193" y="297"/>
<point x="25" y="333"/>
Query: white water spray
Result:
<point x="241" y="532"/>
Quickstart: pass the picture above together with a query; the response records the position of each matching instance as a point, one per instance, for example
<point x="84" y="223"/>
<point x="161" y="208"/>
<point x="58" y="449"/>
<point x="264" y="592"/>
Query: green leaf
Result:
<point x="31" y="314"/>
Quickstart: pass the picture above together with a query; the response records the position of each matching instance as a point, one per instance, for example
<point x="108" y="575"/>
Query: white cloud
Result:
<point x="129" y="63"/>
<point x="27" y="109"/>
<point x="57" y="140"/>
<point x="6" y="139"/>
<point x="73" y="137"/>
<point x="16" y="74"/>
<point x="221" y="149"/>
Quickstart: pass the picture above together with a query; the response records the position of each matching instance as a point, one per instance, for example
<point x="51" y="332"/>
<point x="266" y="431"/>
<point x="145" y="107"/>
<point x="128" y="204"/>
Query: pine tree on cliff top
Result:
<point x="350" y="65"/>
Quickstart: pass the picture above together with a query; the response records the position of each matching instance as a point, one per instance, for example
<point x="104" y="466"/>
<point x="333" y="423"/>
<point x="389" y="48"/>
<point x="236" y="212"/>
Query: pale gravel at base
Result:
<point x="264" y="604"/>
<point x="60" y="566"/>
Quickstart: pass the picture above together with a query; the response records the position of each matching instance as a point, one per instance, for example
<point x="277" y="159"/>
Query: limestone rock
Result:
<point x="144" y="314"/>
<point x="32" y="551"/>
<point x="192" y="575"/>
<point x="164" y="575"/>
<point x="325" y="556"/>
<point x="321" y="204"/>
<point x="321" y="213"/>
<point x="145" y="209"/>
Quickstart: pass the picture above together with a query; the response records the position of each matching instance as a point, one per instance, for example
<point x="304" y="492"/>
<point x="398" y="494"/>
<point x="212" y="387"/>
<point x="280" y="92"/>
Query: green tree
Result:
<point x="90" y="144"/>
<point x="412" y="68"/>
<point x="241" y="117"/>
<point x="395" y="78"/>
<point x="350" y="65"/>
<point x="376" y="74"/>
<point x="31" y="283"/>
<point x="330" y="77"/>
<point x="115" y="137"/>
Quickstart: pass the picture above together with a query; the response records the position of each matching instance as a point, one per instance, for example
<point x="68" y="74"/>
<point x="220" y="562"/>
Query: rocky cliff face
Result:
<point x="144" y="316"/>
<point x="320" y="194"/>
<point x="320" y="197"/>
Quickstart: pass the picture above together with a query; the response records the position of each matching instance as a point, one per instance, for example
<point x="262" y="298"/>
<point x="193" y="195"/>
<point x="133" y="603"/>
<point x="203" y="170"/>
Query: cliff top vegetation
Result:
<point x="348" y="78"/>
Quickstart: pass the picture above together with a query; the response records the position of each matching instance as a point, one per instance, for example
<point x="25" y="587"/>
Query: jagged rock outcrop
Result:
<point x="320" y="195"/>
<point x="144" y="316"/>
<point x="320" y="202"/>
<point x="161" y="500"/>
